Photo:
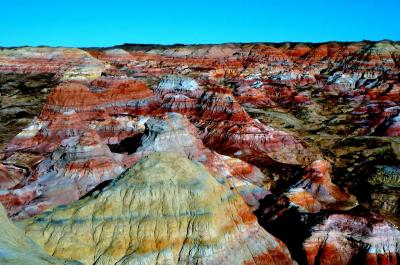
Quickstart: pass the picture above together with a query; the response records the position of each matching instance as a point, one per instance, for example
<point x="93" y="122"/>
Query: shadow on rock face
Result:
<point x="129" y="145"/>
<point x="21" y="98"/>
<point x="291" y="227"/>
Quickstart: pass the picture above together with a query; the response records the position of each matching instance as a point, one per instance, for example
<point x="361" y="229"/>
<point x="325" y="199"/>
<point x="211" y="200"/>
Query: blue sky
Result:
<point x="105" y="23"/>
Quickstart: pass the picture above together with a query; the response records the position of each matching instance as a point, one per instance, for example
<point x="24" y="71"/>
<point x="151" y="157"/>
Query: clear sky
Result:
<point x="86" y="23"/>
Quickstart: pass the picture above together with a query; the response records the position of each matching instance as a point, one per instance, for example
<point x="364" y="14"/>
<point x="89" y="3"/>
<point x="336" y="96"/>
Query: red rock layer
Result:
<point x="45" y="133"/>
<point x="109" y="96"/>
<point x="348" y="89"/>
<point x="71" y="171"/>
<point x="11" y="176"/>
<point x="283" y="72"/>
<point x="257" y="93"/>
<point x="343" y="239"/>
<point x="227" y="128"/>
<point x="72" y="108"/>
<point x="255" y="142"/>
<point x="316" y="191"/>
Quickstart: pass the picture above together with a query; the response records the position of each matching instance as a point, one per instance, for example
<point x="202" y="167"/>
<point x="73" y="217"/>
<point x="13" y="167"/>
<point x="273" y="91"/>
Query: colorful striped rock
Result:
<point x="164" y="210"/>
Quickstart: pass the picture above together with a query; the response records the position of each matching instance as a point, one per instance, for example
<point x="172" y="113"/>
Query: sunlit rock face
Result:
<point x="165" y="210"/>
<point x="255" y="142"/>
<point x="101" y="98"/>
<point x="45" y="134"/>
<point x="177" y="83"/>
<point x="305" y="135"/>
<point x="111" y="107"/>
<point x="27" y="75"/>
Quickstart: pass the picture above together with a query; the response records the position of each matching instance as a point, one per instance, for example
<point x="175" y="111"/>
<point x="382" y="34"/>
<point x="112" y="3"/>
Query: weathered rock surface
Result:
<point x="227" y="128"/>
<point x="164" y="210"/>
<point x="26" y="76"/>
<point x="16" y="248"/>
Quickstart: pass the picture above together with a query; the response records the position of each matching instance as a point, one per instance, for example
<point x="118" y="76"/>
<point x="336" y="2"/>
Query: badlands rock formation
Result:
<point x="30" y="73"/>
<point x="163" y="210"/>
<point x="150" y="154"/>
<point x="345" y="239"/>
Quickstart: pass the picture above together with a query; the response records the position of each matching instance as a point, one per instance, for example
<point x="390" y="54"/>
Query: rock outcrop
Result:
<point x="27" y="75"/>
<point x="64" y="63"/>
<point x="227" y="128"/>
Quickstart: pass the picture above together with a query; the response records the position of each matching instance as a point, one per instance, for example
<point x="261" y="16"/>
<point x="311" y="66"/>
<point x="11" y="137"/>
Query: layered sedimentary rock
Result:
<point x="64" y="63"/>
<point x="225" y="125"/>
<point x="70" y="172"/>
<point x="172" y="83"/>
<point x="45" y="134"/>
<point x="17" y="248"/>
<point x="256" y="143"/>
<point x="26" y="76"/>
<point x="344" y="239"/>
<point x="165" y="210"/>
<point x="103" y="95"/>
<point x="71" y="108"/>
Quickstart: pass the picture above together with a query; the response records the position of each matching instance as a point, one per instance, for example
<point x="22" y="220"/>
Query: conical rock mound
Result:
<point x="164" y="210"/>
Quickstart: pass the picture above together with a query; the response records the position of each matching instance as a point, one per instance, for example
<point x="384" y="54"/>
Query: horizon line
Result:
<point x="177" y="44"/>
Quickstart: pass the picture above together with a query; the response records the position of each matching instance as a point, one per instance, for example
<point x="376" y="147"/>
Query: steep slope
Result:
<point x="316" y="191"/>
<point x="225" y="125"/>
